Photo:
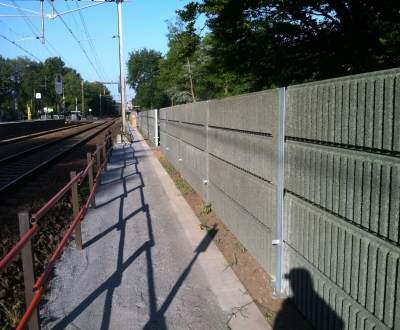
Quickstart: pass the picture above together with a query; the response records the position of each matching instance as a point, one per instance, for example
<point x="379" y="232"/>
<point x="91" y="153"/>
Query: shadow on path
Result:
<point x="157" y="319"/>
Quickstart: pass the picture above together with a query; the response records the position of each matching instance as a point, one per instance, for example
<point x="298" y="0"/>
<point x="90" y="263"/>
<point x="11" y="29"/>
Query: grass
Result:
<point x="169" y="168"/>
<point x="231" y="263"/>
<point x="13" y="316"/>
<point x="183" y="186"/>
<point x="206" y="209"/>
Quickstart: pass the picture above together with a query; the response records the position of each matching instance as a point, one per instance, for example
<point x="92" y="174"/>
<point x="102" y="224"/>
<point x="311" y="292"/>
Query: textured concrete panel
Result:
<point x="253" y="153"/>
<point x="254" y="235"/>
<point x="173" y="144"/>
<point x="194" y="113"/>
<point x="163" y="138"/>
<point x="360" y="187"/>
<point x="323" y="303"/>
<point x="174" y="113"/>
<point x="361" y="110"/>
<point x="193" y="157"/>
<point x="194" y="178"/>
<point x="257" y="112"/>
<point x="357" y="263"/>
<point x="194" y="135"/>
<point x="163" y="126"/>
<point x="173" y="158"/>
<point x="174" y="129"/>
<point x="256" y="196"/>
<point x="163" y="113"/>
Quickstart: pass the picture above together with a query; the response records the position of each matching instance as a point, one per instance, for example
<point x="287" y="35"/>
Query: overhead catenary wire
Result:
<point x="19" y="47"/>
<point x="77" y="41"/>
<point x="91" y="43"/>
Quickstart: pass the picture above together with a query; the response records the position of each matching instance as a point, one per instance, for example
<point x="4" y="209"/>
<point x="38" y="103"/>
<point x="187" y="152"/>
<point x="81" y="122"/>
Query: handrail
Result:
<point x="37" y="216"/>
<point x="42" y="282"/>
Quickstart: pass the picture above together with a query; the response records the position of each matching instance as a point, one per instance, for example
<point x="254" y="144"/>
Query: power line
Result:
<point x="77" y="41"/>
<point x="19" y="47"/>
<point x="90" y="42"/>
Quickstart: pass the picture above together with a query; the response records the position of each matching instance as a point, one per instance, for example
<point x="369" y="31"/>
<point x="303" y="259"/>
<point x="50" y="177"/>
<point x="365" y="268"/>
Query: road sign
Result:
<point x="59" y="87"/>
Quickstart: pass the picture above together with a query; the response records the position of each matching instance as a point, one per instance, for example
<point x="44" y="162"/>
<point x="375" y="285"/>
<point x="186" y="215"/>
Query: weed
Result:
<point x="184" y="187"/>
<point x="268" y="317"/>
<point x="243" y="249"/>
<point x="206" y="209"/>
<point x="218" y="241"/>
<point x="231" y="263"/>
<point x="13" y="315"/>
<point x="236" y="245"/>
<point x="169" y="168"/>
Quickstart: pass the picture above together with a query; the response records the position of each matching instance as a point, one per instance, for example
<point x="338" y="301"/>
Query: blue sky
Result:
<point x="143" y="23"/>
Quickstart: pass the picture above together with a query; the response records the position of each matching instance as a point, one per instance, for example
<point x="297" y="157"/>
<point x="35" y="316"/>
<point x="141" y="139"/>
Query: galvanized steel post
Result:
<point x="280" y="193"/>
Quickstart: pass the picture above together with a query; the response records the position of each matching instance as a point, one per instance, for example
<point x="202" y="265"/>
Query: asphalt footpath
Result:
<point x="145" y="263"/>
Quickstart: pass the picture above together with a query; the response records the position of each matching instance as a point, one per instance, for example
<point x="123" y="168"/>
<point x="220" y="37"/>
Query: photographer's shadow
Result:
<point x="317" y="311"/>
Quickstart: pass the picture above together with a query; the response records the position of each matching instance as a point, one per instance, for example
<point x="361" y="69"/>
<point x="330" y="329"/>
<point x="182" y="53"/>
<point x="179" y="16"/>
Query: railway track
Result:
<point x="23" y="165"/>
<point x="17" y="138"/>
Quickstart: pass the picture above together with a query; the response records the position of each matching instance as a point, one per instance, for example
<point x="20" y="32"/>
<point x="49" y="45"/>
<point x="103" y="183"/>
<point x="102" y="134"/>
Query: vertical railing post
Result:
<point x="98" y="162"/>
<point x="75" y="208"/>
<point x="104" y="156"/>
<point x="28" y="267"/>
<point x="207" y="154"/>
<point x="90" y="177"/>
<point x="156" y="128"/>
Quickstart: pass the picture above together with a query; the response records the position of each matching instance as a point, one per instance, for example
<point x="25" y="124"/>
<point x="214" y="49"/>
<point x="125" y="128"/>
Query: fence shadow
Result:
<point x="108" y="287"/>
<point x="309" y="302"/>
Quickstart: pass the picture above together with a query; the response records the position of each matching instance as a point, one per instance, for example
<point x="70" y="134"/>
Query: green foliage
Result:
<point x="28" y="77"/>
<point x="206" y="209"/>
<point x="183" y="186"/>
<point x="143" y="71"/>
<point x="282" y="42"/>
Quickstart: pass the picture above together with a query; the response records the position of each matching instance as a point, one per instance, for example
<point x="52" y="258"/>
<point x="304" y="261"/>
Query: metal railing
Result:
<point x="30" y="225"/>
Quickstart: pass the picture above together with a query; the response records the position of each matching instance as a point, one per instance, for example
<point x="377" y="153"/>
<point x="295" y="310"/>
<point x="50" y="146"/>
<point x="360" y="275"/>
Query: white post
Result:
<point x="121" y="64"/>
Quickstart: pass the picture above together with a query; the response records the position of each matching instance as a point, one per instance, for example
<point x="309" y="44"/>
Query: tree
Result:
<point x="281" y="42"/>
<point x="143" y="70"/>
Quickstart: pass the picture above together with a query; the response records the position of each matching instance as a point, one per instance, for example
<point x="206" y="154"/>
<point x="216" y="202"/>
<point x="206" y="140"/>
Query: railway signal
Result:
<point x="59" y="87"/>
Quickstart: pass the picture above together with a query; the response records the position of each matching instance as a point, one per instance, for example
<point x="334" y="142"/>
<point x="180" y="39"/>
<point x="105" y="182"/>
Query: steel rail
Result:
<point x="18" y="137"/>
<point x="43" y="146"/>
<point x="6" y="188"/>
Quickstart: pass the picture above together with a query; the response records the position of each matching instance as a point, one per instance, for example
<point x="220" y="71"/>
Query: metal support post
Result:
<point x="121" y="64"/>
<point x="278" y="292"/>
